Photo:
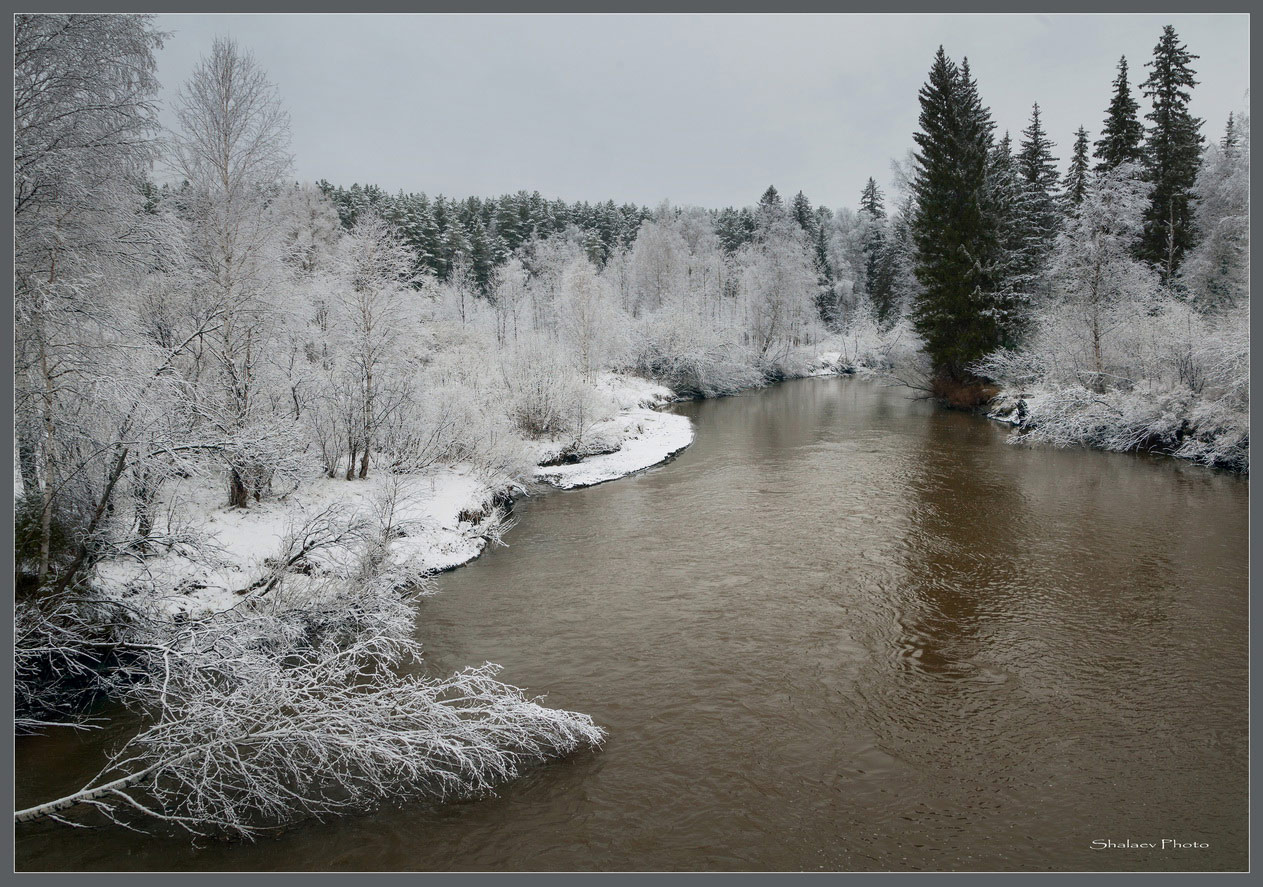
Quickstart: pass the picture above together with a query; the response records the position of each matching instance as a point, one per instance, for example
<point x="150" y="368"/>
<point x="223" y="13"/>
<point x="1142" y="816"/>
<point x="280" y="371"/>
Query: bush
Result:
<point x="547" y="397"/>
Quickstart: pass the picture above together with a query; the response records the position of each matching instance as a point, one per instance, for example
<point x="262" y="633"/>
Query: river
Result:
<point x="844" y="630"/>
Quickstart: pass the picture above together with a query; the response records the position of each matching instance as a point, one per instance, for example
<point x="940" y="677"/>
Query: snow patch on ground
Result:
<point x="825" y="364"/>
<point x="647" y="438"/>
<point x="440" y="519"/>
<point x="439" y="522"/>
<point x="633" y="439"/>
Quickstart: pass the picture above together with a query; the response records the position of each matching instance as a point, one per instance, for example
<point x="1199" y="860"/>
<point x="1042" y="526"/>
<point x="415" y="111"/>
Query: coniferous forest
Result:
<point x="254" y="416"/>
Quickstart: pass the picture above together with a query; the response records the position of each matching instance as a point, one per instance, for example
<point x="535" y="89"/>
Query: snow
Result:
<point x="229" y="547"/>
<point x="648" y="437"/>
<point x="826" y="364"/>
<point x="635" y="438"/>
<point x="441" y="518"/>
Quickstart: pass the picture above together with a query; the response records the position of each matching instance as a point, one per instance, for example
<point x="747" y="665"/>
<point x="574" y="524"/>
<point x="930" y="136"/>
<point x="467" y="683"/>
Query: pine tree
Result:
<point x="770" y="211"/>
<point x="826" y="300"/>
<point x="873" y="239"/>
<point x="1015" y="262"/>
<point x="1122" y="133"/>
<point x="731" y="230"/>
<point x="896" y="283"/>
<point x="871" y="200"/>
<point x="957" y="313"/>
<point x="1038" y="168"/>
<point x="1230" y="140"/>
<point x="1172" y="156"/>
<point x="1076" y="182"/>
<point x="800" y="209"/>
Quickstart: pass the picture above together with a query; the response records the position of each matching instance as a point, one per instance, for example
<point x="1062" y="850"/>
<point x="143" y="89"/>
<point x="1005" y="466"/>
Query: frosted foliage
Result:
<point x="1217" y="271"/>
<point x="294" y="709"/>
<point x="1116" y="361"/>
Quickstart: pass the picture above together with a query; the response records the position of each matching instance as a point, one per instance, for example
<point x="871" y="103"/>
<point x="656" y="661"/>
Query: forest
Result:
<point x="254" y="417"/>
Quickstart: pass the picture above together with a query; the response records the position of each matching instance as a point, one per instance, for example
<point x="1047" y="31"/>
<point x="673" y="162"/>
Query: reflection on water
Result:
<point x="844" y="630"/>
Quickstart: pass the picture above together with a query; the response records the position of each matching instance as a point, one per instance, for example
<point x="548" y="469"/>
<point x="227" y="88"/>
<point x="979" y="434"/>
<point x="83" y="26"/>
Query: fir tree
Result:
<point x="826" y="299"/>
<point x="896" y="283"/>
<point x="1076" y="182"/>
<point x="1038" y="169"/>
<point x="800" y="209"/>
<point x="1015" y="261"/>
<point x="873" y="239"/>
<point x="871" y="200"/>
<point x="957" y="313"/>
<point x="770" y="211"/>
<point x="1122" y="133"/>
<point x="731" y="230"/>
<point x="1230" y="140"/>
<point x="1172" y="155"/>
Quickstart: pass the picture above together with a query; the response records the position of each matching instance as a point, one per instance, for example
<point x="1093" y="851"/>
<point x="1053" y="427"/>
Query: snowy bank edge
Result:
<point x="658" y="437"/>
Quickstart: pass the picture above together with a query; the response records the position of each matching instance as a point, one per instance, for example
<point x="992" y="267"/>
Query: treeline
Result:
<point x="471" y="237"/>
<point x="474" y="235"/>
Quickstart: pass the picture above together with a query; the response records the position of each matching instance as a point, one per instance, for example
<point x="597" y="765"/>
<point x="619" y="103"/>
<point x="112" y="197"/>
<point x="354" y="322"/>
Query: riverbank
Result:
<point x="207" y="558"/>
<point x="1181" y="424"/>
<point x="827" y="601"/>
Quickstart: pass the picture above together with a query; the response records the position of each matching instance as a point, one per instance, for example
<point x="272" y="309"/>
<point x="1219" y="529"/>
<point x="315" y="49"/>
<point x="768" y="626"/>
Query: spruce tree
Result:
<point x="770" y="211"/>
<point x="800" y="209"/>
<point x="1076" y="181"/>
<point x="1122" y="133"/>
<point x="956" y="312"/>
<point x="873" y="239"/>
<point x="1230" y="140"/>
<point x="871" y="200"/>
<point x="1015" y="262"/>
<point x="1038" y="168"/>
<point x="1173" y="148"/>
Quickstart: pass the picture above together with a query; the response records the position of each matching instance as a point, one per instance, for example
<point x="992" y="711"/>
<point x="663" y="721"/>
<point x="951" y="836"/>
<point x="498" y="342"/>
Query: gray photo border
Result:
<point x="631" y="6"/>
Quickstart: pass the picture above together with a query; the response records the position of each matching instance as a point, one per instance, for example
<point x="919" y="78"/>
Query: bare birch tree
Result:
<point x="231" y="148"/>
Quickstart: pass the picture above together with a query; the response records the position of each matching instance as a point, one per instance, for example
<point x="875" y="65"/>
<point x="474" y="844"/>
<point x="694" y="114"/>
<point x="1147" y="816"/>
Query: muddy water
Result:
<point x="844" y="630"/>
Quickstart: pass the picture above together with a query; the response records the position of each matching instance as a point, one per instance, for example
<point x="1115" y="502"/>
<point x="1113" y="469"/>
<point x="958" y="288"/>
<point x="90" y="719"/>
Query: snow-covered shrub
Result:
<point x="304" y="699"/>
<point x="444" y="425"/>
<point x="866" y="344"/>
<point x="1175" y="380"/>
<point x="1118" y="361"/>
<point x="547" y="397"/>
<point x="691" y="357"/>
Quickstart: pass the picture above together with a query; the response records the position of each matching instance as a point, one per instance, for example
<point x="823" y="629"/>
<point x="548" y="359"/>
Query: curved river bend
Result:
<point x="843" y="630"/>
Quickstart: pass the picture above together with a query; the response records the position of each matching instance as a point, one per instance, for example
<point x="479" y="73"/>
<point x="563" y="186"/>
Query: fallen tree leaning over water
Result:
<point x="298" y="703"/>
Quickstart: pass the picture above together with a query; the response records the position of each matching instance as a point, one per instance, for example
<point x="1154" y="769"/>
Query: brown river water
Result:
<point x="844" y="630"/>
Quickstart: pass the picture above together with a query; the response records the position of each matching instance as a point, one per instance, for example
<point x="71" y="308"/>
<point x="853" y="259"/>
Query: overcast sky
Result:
<point x="696" y="109"/>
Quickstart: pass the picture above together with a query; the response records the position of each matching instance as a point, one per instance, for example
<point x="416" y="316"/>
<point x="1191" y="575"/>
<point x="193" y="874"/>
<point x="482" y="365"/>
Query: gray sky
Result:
<point x="696" y="109"/>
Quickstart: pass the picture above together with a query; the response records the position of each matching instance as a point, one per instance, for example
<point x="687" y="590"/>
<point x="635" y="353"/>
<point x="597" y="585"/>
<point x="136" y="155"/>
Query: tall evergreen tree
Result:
<point x="770" y="211"/>
<point x="800" y="209"/>
<point x="1122" y="133"/>
<point x="1173" y="147"/>
<point x="1038" y="168"/>
<point x="1075" y="185"/>
<point x="957" y="313"/>
<point x="873" y="240"/>
<point x="871" y="200"/>
<point x="1230" y="140"/>
<point x="1015" y="260"/>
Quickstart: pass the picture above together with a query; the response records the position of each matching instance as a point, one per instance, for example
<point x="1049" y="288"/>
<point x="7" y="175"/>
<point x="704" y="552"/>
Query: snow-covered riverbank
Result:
<point x="208" y="558"/>
<point x="637" y="437"/>
<point x="433" y="521"/>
